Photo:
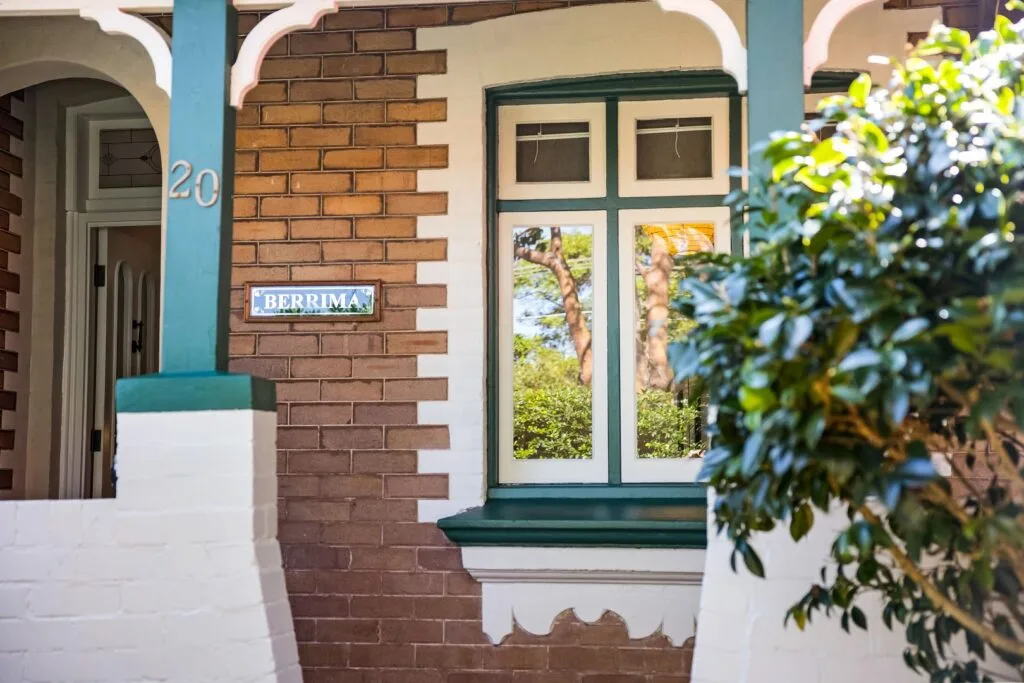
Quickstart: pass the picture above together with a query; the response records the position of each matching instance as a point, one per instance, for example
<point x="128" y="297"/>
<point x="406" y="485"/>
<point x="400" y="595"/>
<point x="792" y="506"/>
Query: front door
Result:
<point x="127" y="300"/>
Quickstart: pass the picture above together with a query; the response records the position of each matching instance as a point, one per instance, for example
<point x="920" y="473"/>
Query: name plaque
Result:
<point x="306" y="301"/>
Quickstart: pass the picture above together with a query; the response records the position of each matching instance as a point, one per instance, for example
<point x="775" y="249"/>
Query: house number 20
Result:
<point x="207" y="184"/>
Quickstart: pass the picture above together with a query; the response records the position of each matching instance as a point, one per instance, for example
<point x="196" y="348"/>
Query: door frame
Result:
<point x="87" y="211"/>
<point x="77" y="383"/>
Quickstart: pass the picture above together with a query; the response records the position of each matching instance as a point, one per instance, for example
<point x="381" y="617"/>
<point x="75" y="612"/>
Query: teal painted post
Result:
<point x="775" y="65"/>
<point x="201" y="189"/>
<point x="197" y="257"/>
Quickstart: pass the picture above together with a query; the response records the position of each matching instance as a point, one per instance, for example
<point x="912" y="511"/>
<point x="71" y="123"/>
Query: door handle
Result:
<point x="137" y="325"/>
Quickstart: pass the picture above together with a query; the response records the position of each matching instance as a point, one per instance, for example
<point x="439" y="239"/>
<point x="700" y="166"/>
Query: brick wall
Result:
<point x="327" y="190"/>
<point x="11" y="133"/>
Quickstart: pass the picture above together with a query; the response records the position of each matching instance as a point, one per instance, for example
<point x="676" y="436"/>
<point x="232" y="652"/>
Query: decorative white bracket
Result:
<point x="155" y="41"/>
<point x="734" y="54"/>
<point x="652" y="589"/>
<point x="245" y="74"/>
<point x="820" y="35"/>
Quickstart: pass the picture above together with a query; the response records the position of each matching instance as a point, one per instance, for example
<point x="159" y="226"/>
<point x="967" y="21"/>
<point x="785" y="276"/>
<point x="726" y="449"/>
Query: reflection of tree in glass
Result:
<point x="553" y="282"/>
<point x="553" y="360"/>
<point x="666" y="414"/>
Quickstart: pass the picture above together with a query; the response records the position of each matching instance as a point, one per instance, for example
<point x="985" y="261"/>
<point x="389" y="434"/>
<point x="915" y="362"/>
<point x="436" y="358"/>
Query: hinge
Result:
<point x="99" y="276"/>
<point x="96" y="441"/>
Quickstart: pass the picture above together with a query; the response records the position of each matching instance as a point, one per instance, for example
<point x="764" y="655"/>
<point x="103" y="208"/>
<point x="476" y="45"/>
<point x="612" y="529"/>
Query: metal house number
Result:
<point x="207" y="184"/>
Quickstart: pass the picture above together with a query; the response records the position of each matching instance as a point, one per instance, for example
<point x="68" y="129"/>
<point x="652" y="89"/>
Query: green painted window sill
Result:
<point x="622" y="522"/>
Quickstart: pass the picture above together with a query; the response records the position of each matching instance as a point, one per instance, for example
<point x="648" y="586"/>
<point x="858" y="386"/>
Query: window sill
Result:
<point x="538" y="522"/>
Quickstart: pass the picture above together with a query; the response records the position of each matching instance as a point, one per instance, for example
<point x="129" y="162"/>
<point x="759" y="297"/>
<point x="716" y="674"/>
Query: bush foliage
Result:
<point x="876" y="332"/>
<point x="552" y="411"/>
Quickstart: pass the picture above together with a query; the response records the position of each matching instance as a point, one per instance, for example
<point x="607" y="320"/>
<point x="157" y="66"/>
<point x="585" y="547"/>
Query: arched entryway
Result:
<point x="83" y="126"/>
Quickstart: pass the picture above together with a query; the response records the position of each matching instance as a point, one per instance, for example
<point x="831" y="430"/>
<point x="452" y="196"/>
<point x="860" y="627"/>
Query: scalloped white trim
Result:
<point x="820" y="35"/>
<point x="155" y="41"/>
<point x="302" y="14"/>
<point x="734" y="54"/>
<point x="653" y="589"/>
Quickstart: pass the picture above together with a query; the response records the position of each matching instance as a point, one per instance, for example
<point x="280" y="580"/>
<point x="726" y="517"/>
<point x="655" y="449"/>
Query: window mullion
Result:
<point x="614" y="314"/>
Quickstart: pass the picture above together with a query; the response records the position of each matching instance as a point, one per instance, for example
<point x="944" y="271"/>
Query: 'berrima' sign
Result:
<point x="312" y="300"/>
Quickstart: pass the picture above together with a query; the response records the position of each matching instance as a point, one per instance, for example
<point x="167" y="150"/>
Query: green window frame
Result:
<point x="612" y="513"/>
<point x="610" y="91"/>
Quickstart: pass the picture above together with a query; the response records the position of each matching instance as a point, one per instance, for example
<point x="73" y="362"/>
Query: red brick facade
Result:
<point x="327" y="189"/>
<point x="11" y="128"/>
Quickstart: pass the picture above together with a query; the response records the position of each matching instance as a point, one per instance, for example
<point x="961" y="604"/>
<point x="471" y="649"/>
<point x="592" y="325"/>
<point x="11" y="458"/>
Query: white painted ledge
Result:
<point x="652" y="589"/>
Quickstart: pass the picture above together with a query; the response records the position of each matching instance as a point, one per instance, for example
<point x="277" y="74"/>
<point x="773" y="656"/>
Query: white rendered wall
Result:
<point x="740" y="637"/>
<point x="177" y="580"/>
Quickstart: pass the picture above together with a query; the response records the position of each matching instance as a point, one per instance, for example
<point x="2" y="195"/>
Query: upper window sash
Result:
<point x="530" y="132"/>
<point x="696" y="131"/>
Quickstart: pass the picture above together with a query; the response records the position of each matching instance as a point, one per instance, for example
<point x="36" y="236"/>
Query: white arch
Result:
<point x="734" y="54"/>
<point x="38" y="49"/>
<point x="149" y="35"/>
<point x="820" y="35"/>
<point x="245" y="73"/>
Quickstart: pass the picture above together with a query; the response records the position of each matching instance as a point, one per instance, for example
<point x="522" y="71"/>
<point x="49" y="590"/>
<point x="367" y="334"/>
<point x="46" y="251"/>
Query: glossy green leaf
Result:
<point x="910" y="329"/>
<point x="862" y="358"/>
<point x="860" y="89"/>
<point x="802" y="521"/>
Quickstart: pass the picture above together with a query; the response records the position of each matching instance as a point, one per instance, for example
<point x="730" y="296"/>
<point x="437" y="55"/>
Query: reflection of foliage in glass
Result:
<point x="552" y="412"/>
<point x="553" y="285"/>
<point x="667" y="426"/>
<point x="553" y="422"/>
<point x="667" y="421"/>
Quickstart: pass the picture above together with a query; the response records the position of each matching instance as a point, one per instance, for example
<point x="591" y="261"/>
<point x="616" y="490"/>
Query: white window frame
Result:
<point x="509" y="116"/>
<point x="652" y="470"/>
<point x="630" y="112"/>
<point x="595" y="469"/>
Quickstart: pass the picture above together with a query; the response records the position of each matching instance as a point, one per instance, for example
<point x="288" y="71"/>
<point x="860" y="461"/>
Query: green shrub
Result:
<point x="879" y="324"/>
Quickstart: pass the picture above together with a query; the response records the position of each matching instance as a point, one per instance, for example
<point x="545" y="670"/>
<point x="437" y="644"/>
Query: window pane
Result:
<point x="553" y="152"/>
<point x="552" y="309"/>
<point x="673" y="148"/>
<point x="129" y="157"/>
<point x="668" y="416"/>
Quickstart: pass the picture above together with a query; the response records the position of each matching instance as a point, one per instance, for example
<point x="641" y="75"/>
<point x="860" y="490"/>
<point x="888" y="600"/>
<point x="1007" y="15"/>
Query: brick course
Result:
<point x="327" y="189"/>
<point x="11" y="132"/>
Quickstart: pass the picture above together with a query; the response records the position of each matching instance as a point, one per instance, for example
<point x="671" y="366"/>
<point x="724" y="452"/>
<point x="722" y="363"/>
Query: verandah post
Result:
<point x="197" y="247"/>
<point x="200" y="188"/>
<point x="775" y="68"/>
